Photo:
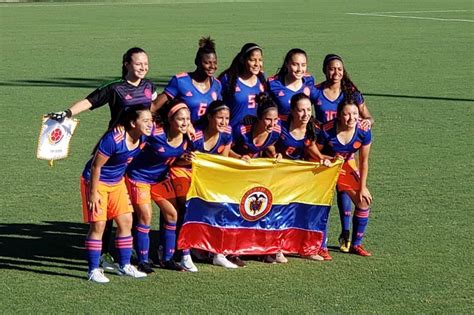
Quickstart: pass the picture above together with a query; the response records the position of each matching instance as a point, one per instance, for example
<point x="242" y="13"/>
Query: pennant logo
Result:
<point x="256" y="203"/>
<point x="55" y="135"/>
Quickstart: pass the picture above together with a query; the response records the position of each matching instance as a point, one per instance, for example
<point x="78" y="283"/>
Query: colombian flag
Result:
<point x="257" y="207"/>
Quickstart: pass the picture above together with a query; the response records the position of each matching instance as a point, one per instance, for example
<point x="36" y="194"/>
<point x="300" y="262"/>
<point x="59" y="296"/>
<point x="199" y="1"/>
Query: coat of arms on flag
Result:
<point x="260" y="207"/>
<point x="54" y="138"/>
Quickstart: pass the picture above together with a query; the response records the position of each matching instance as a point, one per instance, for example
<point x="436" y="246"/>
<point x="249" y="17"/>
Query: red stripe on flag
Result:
<point x="244" y="241"/>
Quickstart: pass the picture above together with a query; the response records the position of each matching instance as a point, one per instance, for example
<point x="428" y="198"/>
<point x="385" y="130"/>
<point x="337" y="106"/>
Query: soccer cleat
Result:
<point x="269" y="259"/>
<point x="220" y="260"/>
<point x="97" y="276"/>
<point x="313" y="257"/>
<point x="323" y="252"/>
<point x="344" y="244"/>
<point x="359" y="250"/>
<point x="171" y="265"/>
<point x="237" y="261"/>
<point x="107" y="262"/>
<point x="187" y="263"/>
<point x="280" y="258"/>
<point x="145" y="267"/>
<point x="129" y="270"/>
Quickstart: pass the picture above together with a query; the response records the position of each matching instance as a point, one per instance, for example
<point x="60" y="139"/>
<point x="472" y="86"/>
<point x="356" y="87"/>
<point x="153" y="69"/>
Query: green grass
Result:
<point x="416" y="75"/>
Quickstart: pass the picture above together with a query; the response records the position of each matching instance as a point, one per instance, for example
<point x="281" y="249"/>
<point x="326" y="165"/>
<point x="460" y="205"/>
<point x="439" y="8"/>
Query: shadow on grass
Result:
<point x="69" y="82"/>
<point x="51" y="248"/>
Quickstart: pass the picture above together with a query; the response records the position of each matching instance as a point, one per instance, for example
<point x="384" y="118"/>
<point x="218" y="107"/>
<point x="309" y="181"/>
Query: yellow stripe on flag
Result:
<point x="220" y="179"/>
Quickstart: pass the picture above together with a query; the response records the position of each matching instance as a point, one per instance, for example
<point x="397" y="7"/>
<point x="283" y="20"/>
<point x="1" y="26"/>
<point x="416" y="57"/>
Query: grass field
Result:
<point x="413" y="61"/>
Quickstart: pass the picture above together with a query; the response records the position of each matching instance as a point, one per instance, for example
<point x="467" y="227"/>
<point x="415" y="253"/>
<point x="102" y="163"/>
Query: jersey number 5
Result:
<point x="251" y="101"/>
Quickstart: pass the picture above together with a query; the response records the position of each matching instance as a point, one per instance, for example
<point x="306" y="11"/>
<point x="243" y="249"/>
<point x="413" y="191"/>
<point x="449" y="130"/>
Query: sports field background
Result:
<point x="412" y="60"/>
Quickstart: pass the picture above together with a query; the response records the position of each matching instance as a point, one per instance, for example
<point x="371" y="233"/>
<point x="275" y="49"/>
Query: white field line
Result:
<point x="411" y="17"/>
<point x="433" y="11"/>
<point x="81" y="4"/>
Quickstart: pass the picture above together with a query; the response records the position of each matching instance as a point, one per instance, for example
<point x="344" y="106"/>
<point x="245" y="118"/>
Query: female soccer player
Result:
<point x="344" y="136"/>
<point x="104" y="195"/>
<point x="198" y="88"/>
<point x="148" y="178"/>
<point x="298" y="137"/>
<point x="251" y="141"/>
<point x="290" y="79"/>
<point x="131" y="90"/>
<point x="242" y="81"/>
<point x="326" y="96"/>
<point x="214" y="136"/>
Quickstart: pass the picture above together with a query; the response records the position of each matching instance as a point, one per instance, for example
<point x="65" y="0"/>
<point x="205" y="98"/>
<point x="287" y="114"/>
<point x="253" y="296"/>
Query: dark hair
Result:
<point x="264" y="104"/>
<point x="344" y="103"/>
<point x="283" y="71"/>
<point x="125" y="118"/>
<point x="212" y="109"/>
<point x="347" y="86"/>
<point x="127" y="58"/>
<point x="162" y="116"/>
<point x="310" y="131"/>
<point x="237" y="68"/>
<point x="206" y="46"/>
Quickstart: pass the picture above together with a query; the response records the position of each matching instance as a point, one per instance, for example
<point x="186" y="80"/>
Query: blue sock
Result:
<point x="359" y="223"/>
<point x="143" y="242"/>
<point x="325" y="223"/>
<point x="124" y="246"/>
<point x="344" y="203"/>
<point x="169" y="239"/>
<point x="93" y="250"/>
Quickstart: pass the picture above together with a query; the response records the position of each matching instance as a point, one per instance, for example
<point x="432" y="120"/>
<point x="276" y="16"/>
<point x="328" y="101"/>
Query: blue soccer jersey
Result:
<point x="243" y="140"/>
<point x="224" y="140"/>
<point x="328" y="138"/>
<point x="242" y="101"/>
<point x="121" y="94"/>
<point x="281" y="95"/>
<point x="181" y="86"/>
<point x="113" y="146"/>
<point x="152" y="165"/>
<point x="288" y="146"/>
<point x="326" y="109"/>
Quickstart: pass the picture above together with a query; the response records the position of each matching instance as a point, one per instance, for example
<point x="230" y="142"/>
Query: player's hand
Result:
<point x="278" y="157"/>
<point x="365" y="124"/>
<point x="326" y="162"/>
<point x="188" y="156"/>
<point x="191" y="132"/>
<point x="59" y="116"/>
<point x="94" y="203"/>
<point x="365" y="196"/>
<point x="245" y="158"/>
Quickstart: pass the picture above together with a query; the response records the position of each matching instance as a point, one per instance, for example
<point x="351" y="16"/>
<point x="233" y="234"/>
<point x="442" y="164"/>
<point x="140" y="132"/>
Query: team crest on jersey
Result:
<point x="147" y="93"/>
<point x="56" y="135"/>
<point x="306" y="91"/>
<point x="357" y="144"/>
<point x="214" y="96"/>
<point x="256" y="203"/>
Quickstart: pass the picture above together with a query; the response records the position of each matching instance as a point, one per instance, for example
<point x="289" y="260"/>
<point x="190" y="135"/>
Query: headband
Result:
<point x="218" y="108"/>
<point x="176" y="108"/>
<point x="250" y="49"/>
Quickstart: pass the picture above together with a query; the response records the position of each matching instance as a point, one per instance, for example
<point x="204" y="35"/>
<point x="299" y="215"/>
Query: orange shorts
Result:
<point x="115" y="201"/>
<point x="349" y="178"/>
<point x="181" y="180"/>
<point x="143" y="193"/>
